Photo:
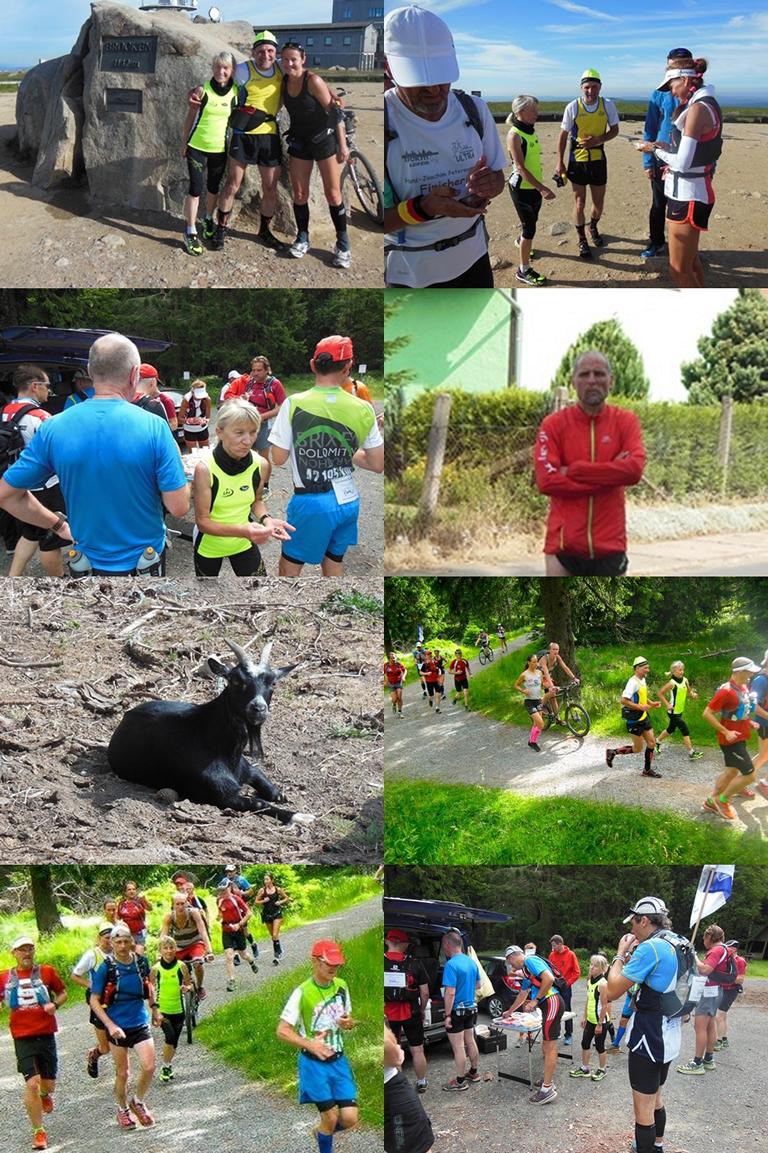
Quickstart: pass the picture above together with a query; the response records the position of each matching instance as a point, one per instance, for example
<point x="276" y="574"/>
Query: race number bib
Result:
<point x="345" y="489"/>
<point x="394" y="980"/>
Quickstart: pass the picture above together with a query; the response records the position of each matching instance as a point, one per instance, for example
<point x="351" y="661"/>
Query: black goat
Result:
<point x="197" y="750"/>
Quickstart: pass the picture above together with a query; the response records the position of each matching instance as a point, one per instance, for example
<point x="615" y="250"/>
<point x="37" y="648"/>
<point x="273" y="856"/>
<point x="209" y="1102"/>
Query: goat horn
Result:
<point x="241" y="654"/>
<point x="264" y="658"/>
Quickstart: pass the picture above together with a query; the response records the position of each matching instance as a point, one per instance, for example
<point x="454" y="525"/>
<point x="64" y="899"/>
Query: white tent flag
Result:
<point x="716" y="881"/>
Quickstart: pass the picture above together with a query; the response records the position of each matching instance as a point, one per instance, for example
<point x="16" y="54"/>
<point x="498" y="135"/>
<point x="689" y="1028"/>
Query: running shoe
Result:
<point x="585" y="252"/>
<point x="46" y="1102"/>
<point x="579" y="1072"/>
<point x="599" y="1075"/>
<point x="269" y="240"/>
<point x="142" y="1114"/>
<point x="762" y="789"/>
<point x="342" y="257"/>
<point x="518" y="242"/>
<point x="609" y="757"/>
<point x="650" y="773"/>
<point x="544" y="1096"/>
<point x="652" y="250"/>
<point x="300" y="247"/>
<point x="209" y="228"/>
<point x="39" y="1139"/>
<point x="437" y="710"/>
<point x="597" y="239"/>
<point x="748" y="794"/>
<point x="696" y="755"/>
<point x="473" y="1076"/>
<point x="422" y="1086"/>
<point x="722" y="1044"/>
<point x="724" y="809"/>
<point x="254" y="967"/>
<point x="192" y="244"/>
<point x="658" y="749"/>
<point x="568" y="1040"/>
<point x="614" y="1048"/>
<point x="455" y="1086"/>
<point x="124" y="1119"/>
<point x="530" y="276"/>
<point x="219" y="237"/>
<point x="166" y="1073"/>
<point x="237" y="959"/>
<point x="710" y="805"/>
<point x="230" y="986"/>
<point x="709" y="1066"/>
<point x="532" y="745"/>
<point x="201" y="994"/>
<point x="275" y="960"/>
<point x="92" y="1062"/>
<point x="692" y="1068"/>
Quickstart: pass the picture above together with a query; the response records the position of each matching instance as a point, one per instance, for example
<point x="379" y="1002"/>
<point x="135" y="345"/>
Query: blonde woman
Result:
<point x="673" y="696"/>
<point x="597" y="1017"/>
<point x="227" y="491"/>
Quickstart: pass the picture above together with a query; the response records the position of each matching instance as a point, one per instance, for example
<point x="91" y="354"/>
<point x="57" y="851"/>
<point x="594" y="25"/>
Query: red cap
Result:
<point x="329" y="951"/>
<point x="147" y="371"/>
<point x="396" y="935"/>
<point x="338" y="348"/>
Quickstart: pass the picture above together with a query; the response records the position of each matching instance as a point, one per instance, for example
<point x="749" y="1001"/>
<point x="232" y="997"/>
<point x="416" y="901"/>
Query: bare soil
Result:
<point x="77" y="654"/>
<point x="73" y="243"/>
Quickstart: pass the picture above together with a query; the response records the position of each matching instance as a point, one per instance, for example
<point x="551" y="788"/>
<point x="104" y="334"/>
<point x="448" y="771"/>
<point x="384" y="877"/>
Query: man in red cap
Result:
<point x="149" y="386"/>
<point x="326" y="433"/>
<point x="406" y="992"/>
<point x="314" y="1019"/>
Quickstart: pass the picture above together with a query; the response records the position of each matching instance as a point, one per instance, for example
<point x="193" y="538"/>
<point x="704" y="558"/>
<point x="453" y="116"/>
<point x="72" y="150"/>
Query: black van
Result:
<point x="426" y="922"/>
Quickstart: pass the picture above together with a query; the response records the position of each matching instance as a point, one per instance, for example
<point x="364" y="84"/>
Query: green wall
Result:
<point x="457" y="338"/>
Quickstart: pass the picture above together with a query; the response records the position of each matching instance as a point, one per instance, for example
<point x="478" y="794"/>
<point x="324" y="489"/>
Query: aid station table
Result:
<point x="528" y="1025"/>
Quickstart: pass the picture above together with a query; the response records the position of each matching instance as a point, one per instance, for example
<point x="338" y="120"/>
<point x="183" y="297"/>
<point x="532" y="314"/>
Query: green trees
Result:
<point x="733" y="361"/>
<point x="607" y="336"/>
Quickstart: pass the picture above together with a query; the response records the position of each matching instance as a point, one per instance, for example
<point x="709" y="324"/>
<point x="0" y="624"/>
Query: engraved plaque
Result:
<point x="128" y="53"/>
<point x="123" y="100"/>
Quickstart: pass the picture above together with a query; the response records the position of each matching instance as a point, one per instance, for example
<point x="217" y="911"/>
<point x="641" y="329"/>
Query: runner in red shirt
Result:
<point x="730" y="712"/>
<point x="461" y="672"/>
<point x="132" y="910"/>
<point x="728" y="995"/>
<point x="430" y="675"/>
<point x="566" y="961"/>
<point x="33" y="993"/>
<point x="394" y="677"/>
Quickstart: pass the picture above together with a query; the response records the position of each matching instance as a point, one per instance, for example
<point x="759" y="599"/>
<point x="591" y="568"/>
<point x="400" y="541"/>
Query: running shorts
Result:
<point x="676" y="722"/>
<point x="646" y="1076"/>
<point x="193" y="952"/>
<point x="212" y="163"/>
<point x="262" y="149"/>
<point x="462" y="1019"/>
<point x="460" y="683"/>
<point x="693" y="212"/>
<point x="736" y="756"/>
<point x="532" y="707"/>
<point x="248" y="563"/>
<point x="132" y="1037"/>
<point x="527" y="202"/>
<point x="589" y="1035"/>
<point x="708" y="1006"/>
<point x="407" y="1129"/>
<point x="413" y="1029"/>
<point x="612" y="564"/>
<point x="36" y="1056"/>
<point x="323" y="527"/>
<point x="588" y="172"/>
<point x="172" y="1025"/>
<point x="303" y="149"/>
<point x="727" y="997"/>
<point x="551" y="1013"/>
<point x="395" y="688"/>
<point x="637" y="728"/>
<point x="762" y="731"/>
<point x="47" y="541"/>
<point x="233" y="939"/>
<point x="326" y="1083"/>
<point x="432" y="687"/>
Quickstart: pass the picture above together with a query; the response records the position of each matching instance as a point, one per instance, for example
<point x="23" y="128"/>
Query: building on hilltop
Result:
<point x="353" y="39"/>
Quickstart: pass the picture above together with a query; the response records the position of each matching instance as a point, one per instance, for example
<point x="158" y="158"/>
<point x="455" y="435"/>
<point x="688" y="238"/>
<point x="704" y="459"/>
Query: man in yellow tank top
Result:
<point x="255" y="137"/>
<point x="589" y="122"/>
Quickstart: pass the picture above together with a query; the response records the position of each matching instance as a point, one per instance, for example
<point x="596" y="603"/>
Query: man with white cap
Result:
<point x="538" y="991"/>
<point x="443" y="160"/>
<point x="634" y="711"/>
<point x="589" y="122"/>
<point x="33" y="993"/>
<point x="730" y="712"/>
<point x="645" y="957"/>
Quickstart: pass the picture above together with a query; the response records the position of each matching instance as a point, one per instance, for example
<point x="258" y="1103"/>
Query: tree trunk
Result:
<point x="46" y="911"/>
<point x="556" y="610"/>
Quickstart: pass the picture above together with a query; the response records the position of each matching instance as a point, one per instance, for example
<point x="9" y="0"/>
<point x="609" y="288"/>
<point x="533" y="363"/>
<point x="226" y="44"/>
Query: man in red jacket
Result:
<point x="585" y="456"/>
<point x="566" y="961"/>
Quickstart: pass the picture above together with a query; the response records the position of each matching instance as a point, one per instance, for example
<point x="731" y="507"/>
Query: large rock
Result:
<point x="129" y="158"/>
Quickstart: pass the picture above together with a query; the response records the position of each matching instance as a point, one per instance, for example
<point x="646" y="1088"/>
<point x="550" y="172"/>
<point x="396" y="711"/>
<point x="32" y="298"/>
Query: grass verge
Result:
<point x="243" y="1033"/>
<point x="432" y="824"/>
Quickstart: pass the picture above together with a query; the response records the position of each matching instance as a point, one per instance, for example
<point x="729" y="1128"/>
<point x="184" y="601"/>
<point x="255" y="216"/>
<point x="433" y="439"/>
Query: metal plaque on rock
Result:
<point x="123" y="100"/>
<point x="128" y="53"/>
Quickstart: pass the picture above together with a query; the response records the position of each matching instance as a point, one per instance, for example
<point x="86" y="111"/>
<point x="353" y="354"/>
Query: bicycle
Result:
<point x="485" y="656"/>
<point x="358" y="171"/>
<point x="573" y="715"/>
<point x="191" y="998"/>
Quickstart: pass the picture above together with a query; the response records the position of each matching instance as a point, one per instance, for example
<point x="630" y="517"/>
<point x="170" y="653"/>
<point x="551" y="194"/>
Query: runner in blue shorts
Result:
<point x="314" y="1019"/>
<point x="326" y="433"/>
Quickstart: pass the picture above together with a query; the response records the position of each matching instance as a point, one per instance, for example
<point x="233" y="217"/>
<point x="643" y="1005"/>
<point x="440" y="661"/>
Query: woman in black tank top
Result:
<point x="316" y="136"/>
<point x="272" y="900"/>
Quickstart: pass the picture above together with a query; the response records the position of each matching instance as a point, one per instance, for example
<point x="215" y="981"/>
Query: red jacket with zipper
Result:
<point x="583" y="463"/>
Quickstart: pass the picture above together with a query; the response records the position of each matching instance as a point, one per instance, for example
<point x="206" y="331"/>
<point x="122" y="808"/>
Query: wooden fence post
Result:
<point x="560" y="398"/>
<point x="438" y="435"/>
<point x="724" y="439"/>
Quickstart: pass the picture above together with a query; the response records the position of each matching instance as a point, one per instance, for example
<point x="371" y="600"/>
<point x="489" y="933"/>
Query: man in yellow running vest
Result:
<point x="255" y="137"/>
<point x="589" y="122"/>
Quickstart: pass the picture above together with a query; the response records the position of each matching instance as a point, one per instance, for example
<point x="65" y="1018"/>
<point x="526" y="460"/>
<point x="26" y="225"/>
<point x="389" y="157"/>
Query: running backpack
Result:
<point x="560" y="983"/>
<point x="11" y="439"/>
<point x="468" y="103"/>
<point x="25" y="992"/>
<point x="679" y="1002"/>
<point x="724" y="976"/>
<point x="112" y="984"/>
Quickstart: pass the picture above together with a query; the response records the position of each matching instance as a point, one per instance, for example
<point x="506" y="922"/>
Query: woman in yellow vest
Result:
<point x="227" y="491"/>
<point x="589" y="122"/>
<point x="204" y="145"/>
<point x="525" y="185"/>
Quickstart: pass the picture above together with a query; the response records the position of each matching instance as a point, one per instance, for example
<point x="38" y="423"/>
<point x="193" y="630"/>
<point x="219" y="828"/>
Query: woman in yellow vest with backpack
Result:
<point x="525" y="185"/>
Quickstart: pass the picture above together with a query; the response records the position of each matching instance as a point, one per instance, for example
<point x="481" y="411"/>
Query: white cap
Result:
<point x="234" y="374"/>
<point x="419" y="48"/>
<point x="23" y="940"/>
<point x="647" y="907"/>
<point x="744" y="665"/>
<point x="673" y="74"/>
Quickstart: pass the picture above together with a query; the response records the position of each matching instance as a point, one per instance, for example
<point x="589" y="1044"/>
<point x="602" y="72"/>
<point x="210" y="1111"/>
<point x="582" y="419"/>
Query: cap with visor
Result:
<point x="647" y="907"/>
<point x="329" y="951"/>
<point x="419" y="48"/>
<point x="336" y="349"/>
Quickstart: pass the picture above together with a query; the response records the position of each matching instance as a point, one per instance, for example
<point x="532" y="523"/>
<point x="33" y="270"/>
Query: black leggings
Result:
<point x="248" y="563"/>
<point x="197" y="162"/>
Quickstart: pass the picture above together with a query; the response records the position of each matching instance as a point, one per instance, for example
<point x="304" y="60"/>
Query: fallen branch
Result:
<point x="25" y="664"/>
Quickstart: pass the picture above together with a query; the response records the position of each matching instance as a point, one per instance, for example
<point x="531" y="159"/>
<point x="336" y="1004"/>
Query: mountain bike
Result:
<point x="573" y="715"/>
<point x="485" y="656"/>
<point x="358" y="171"/>
<point x="191" y="1002"/>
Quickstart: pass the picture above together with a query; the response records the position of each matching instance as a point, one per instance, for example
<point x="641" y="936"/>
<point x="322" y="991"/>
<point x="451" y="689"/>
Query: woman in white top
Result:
<point x="690" y="159"/>
<point x="529" y="683"/>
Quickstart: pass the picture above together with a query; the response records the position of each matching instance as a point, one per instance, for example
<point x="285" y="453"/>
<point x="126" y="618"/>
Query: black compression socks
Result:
<point x="660" y="1117"/>
<point x="648" y="757"/>
<point x="339" y="217"/>
<point x="264" y="226"/>
<point x="645" y="1136"/>
<point x="222" y="218"/>
<point x="301" y="216"/>
<point x="580" y="229"/>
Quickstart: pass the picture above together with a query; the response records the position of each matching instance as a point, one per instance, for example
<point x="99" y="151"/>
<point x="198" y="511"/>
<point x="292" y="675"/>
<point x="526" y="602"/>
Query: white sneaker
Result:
<point x="342" y="257"/>
<point x="299" y="248"/>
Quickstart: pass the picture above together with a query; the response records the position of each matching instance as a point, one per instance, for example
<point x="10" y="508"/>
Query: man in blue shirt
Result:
<point x="653" y="1040"/>
<point x="461" y="977"/>
<point x="658" y="126"/>
<point x="118" y="468"/>
<point x="537" y="991"/>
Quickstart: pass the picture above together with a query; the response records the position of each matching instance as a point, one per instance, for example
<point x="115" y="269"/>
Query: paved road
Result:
<point x="209" y="1108"/>
<point x="460" y="747"/>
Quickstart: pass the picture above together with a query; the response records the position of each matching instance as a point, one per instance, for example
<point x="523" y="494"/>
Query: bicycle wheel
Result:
<point x="366" y="185"/>
<point x="577" y="720"/>
<point x="482" y="656"/>
<point x="489" y="654"/>
<point x="190" y="1013"/>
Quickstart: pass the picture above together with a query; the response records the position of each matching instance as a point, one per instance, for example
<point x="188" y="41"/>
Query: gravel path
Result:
<point x="596" y="1117"/>
<point x="210" y="1107"/>
<point x="459" y="747"/>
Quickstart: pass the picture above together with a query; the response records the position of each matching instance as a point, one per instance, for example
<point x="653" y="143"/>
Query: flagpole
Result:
<point x="710" y="879"/>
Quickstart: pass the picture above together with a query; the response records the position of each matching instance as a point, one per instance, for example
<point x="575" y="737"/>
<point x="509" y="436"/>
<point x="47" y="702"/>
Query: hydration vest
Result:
<point x="24" y="992"/>
<point x="112" y="992"/>
<point x="676" y="1002"/>
<point x="588" y="124"/>
<point x="560" y="985"/>
<point x="409" y="991"/>
<point x="531" y="156"/>
<point x="709" y="147"/>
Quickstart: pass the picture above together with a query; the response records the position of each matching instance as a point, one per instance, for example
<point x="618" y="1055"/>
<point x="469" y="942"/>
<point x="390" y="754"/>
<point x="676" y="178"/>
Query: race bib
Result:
<point x="711" y="990"/>
<point x="27" y="994"/>
<point x="394" y="980"/>
<point x="698" y="987"/>
<point x="345" y="489"/>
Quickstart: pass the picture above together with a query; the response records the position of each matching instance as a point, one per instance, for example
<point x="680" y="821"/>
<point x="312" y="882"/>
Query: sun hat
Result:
<point x="639" y="661"/>
<point x="419" y="48"/>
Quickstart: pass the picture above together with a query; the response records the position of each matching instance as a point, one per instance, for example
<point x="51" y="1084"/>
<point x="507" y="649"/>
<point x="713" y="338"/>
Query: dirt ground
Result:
<point x="596" y="1117"/>
<point x="77" y="654"/>
<point x="70" y="243"/>
<point x="733" y="250"/>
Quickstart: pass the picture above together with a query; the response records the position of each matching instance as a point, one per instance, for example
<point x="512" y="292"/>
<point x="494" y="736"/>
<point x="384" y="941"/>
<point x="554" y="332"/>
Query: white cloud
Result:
<point x="580" y="10"/>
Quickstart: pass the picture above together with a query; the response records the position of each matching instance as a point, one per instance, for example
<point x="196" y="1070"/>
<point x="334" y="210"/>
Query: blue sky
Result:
<point x="506" y="47"/>
<point x="31" y="30"/>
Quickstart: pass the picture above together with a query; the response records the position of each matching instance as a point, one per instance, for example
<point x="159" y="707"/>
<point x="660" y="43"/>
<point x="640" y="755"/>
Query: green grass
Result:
<point x="352" y="601"/>
<point x="374" y="382"/>
<point x="758" y="969"/>
<point x="432" y="824"/>
<point x="243" y="1032"/>
<point x="605" y="670"/>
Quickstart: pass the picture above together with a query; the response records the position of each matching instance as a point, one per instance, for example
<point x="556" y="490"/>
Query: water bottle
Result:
<point x="428" y="1012"/>
<point x="78" y="562"/>
<point x="147" y="560"/>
